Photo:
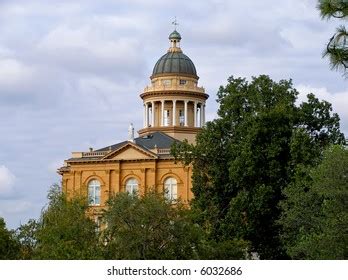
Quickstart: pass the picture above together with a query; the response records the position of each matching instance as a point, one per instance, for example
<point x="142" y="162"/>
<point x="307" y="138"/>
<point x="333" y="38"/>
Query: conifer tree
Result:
<point x="337" y="47"/>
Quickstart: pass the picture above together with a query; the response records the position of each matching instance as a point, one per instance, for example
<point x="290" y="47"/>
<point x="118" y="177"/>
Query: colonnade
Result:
<point x="149" y="119"/>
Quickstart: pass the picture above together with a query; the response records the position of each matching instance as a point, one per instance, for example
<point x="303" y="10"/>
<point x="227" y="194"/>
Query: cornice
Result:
<point x="170" y="129"/>
<point x="174" y="93"/>
<point x="130" y="144"/>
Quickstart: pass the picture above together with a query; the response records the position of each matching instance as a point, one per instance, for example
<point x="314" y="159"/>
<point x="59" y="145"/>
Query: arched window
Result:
<point x="94" y="193"/>
<point x="171" y="188"/>
<point x="132" y="186"/>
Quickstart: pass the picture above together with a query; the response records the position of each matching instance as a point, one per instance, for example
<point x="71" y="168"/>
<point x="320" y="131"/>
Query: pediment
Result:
<point x="130" y="152"/>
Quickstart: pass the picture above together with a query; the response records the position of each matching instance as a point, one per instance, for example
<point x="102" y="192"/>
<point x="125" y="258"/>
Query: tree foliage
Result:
<point x="315" y="213"/>
<point x="64" y="231"/>
<point x="337" y="47"/>
<point x="133" y="227"/>
<point x="9" y="247"/>
<point x="244" y="159"/>
<point x="151" y="227"/>
<point x="26" y="236"/>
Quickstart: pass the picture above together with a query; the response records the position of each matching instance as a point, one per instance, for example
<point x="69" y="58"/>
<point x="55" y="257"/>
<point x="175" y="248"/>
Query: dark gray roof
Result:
<point x="112" y="147"/>
<point x="148" y="142"/>
<point x="174" y="62"/>
<point x="159" y="139"/>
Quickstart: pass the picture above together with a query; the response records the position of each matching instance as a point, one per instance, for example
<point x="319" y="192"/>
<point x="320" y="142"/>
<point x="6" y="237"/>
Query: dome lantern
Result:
<point x="174" y="38"/>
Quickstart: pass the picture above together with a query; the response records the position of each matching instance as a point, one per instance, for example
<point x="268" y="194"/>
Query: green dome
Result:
<point x="175" y="35"/>
<point x="176" y="63"/>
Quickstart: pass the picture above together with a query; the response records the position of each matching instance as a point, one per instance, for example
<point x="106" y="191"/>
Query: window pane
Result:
<point x="170" y="188"/>
<point x="181" y="117"/>
<point x="97" y="195"/>
<point x="174" y="192"/>
<point x="166" y="117"/>
<point x="94" y="192"/>
<point x="132" y="185"/>
<point x="128" y="189"/>
<point x="90" y="195"/>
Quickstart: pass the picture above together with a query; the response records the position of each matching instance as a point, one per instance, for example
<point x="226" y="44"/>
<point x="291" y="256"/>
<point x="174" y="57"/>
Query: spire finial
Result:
<point x="175" y="23"/>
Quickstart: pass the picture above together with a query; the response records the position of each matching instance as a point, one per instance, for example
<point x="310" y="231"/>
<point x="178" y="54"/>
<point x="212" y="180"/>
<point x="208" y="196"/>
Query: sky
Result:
<point x="71" y="73"/>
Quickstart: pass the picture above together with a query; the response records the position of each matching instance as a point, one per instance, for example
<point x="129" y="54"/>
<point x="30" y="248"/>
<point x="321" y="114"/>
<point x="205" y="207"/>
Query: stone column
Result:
<point x="153" y="114"/>
<point x="174" y="112"/>
<point x="146" y="114"/>
<point x="144" y="120"/>
<point x="185" y="112"/>
<point x="162" y="113"/>
<point x="203" y="114"/>
<point x="195" y="114"/>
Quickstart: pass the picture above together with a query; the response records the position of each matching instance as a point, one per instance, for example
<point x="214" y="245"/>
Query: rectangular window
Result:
<point x="182" y="82"/>
<point x="166" y="118"/>
<point x="181" y="118"/>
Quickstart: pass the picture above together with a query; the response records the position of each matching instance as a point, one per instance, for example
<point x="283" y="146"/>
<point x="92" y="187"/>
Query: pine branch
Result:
<point x="337" y="50"/>
<point x="333" y="8"/>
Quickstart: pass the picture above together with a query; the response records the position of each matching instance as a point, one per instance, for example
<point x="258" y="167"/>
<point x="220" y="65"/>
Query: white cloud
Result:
<point x="4" y="52"/>
<point x="7" y="180"/>
<point x="14" y="206"/>
<point x="13" y="72"/>
<point x="90" y="47"/>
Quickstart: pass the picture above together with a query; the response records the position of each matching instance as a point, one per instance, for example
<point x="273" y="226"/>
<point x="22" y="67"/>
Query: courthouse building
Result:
<point x="174" y="110"/>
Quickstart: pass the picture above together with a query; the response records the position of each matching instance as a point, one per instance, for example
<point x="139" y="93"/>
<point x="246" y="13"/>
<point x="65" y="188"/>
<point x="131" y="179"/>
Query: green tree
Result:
<point x="63" y="231"/>
<point x="26" y="236"/>
<point x="9" y="247"/>
<point x="315" y="213"/>
<point x="148" y="227"/>
<point x="337" y="47"/>
<point x="244" y="159"/>
<point x="151" y="227"/>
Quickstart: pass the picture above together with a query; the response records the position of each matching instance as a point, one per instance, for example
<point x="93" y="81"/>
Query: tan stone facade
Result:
<point x="174" y="110"/>
<point x="114" y="171"/>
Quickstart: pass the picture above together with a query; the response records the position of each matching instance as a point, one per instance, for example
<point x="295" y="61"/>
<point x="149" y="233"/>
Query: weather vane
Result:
<point x="175" y="23"/>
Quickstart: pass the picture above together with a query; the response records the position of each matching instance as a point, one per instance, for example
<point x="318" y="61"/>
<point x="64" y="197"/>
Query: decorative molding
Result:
<point x="174" y="93"/>
<point x="171" y="174"/>
<point x="114" y="153"/>
<point x="94" y="176"/>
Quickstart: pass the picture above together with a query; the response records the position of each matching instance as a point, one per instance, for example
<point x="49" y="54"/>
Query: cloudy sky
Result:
<point x="71" y="72"/>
